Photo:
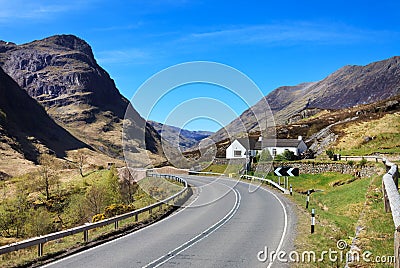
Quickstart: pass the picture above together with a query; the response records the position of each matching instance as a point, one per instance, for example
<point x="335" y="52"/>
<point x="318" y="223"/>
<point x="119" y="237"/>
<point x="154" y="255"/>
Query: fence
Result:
<point x="41" y="240"/>
<point x="391" y="198"/>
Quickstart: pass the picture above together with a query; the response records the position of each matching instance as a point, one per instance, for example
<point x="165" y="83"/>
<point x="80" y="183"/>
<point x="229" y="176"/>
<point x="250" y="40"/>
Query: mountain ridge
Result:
<point x="26" y="130"/>
<point x="349" y="86"/>
<point x="178" y="137"/>
<point x="61" y="73"/>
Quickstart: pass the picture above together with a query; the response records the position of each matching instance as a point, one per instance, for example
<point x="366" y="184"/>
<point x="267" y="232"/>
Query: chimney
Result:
<point x="300" y="138"/>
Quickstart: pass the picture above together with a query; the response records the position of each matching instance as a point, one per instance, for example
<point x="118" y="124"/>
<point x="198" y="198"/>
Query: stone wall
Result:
<point x="316" y="168"/>
<point x="224" y="161"/>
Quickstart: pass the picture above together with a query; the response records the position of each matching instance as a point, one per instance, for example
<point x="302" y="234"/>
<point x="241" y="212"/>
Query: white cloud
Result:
<point x="123" y="56"/>
<point x="284" y="33"/>
<point x="19" y="9"/>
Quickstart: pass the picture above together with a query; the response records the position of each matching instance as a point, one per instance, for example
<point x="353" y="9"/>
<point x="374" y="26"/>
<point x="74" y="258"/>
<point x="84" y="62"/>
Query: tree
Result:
<point x="13" y="215"/>
<point x="287" y="155"/>
<point x="48" y="178"/>
<point x="128" y="185"/>
<point x="77" y="210"/>
<point x="112" y="186"/>
<point x="40" y="222"/>
<point x="96" y="199"/>
<point x="80" y="160"/>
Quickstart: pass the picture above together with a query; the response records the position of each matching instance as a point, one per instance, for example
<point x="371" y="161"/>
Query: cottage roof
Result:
<point x="281" y="143"/>
<point x="254" y="144"/>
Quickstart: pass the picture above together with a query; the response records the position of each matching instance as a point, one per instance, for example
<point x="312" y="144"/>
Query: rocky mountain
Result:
<point x="179" y="138"/>
<point x="61" y="73"/>
<point x="26" y="130"/>
<point x="347" y="87"/>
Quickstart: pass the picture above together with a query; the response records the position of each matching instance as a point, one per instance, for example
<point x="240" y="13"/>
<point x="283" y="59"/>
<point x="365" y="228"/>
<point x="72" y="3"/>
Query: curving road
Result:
<point x="225" y="224"/>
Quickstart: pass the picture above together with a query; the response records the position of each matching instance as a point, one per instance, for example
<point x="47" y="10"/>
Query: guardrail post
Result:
<point x="137" y="217"/>
<point x="86" y="236"/>
<point x="116" y="225"/>
<point x="40" y="250"/>
<point x="150" y="211"/>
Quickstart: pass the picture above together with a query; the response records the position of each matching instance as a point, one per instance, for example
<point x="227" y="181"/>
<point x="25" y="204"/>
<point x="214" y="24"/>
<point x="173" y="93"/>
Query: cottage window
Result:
<point x="237" y="153"/>
<point x="274" y="152"/>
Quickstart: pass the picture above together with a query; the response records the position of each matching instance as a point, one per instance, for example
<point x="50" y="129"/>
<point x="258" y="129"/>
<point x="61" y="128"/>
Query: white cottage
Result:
<point x="240" y="148"/>
<point x="279" y="146"/>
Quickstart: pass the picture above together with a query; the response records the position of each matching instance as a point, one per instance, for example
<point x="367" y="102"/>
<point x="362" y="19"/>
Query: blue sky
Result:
<point x="274" y="43"/>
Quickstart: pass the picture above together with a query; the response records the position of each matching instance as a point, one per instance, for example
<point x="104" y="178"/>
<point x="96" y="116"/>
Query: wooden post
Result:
<point x="385" y="199"/>
<point x="308" y="198"/>
<point x="397" y="247"/>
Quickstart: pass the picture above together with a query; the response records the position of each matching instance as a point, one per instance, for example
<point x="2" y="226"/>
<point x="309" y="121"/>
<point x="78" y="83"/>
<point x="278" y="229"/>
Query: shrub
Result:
<point x="117" y="209"/>
<point x="98" y="217"/>
<point x="330" y="153"/>
<point x="363" y="162"/>
<point x="286" y="156"/>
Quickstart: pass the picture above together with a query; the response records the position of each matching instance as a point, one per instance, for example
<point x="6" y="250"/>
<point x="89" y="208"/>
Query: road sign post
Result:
<point x="312" y="221"/>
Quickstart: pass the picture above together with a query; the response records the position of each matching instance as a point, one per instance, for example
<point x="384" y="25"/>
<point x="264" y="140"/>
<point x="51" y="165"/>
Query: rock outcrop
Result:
<point x="61" y="73"/>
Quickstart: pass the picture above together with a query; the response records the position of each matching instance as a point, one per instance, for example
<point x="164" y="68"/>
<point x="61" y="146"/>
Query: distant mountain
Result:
<point x="347" y="87"/>
<point x="177" y="137"/>
<point x="61" y="73"/>
<point x="25" y="127"/>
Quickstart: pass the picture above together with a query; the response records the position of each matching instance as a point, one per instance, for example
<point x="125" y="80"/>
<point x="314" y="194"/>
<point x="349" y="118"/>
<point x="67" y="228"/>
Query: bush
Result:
<point x="330" y="153"/>
<point x="286" y="156"/>
<point x="117" y="209"/>
<point x="350" y="163"/>
<point x="363" y="162"/>
<point x="98" y="217"/>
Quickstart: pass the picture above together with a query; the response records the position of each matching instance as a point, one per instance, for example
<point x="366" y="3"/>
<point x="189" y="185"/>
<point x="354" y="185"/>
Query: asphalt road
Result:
<point x="225" y="224"/>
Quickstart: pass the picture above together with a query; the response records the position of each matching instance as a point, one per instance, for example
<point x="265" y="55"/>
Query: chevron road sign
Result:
<point x="286" y="171"/>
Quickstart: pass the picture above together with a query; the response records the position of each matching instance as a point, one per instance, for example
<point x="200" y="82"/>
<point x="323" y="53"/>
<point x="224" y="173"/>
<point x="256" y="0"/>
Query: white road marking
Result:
<point x="173" y="253"/>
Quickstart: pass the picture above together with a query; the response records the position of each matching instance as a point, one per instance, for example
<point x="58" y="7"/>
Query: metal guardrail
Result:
<point x="41" y="240"/>
<point x="391" y="198"/>
<point x="272" y="183"/>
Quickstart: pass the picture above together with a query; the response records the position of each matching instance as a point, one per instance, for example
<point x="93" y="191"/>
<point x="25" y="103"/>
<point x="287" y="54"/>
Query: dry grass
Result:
<point x="385" y="133"/>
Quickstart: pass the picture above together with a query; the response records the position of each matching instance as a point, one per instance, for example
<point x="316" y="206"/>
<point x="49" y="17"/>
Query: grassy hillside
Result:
<point x="370" y="137"/>
<point x="340" y="209"/>
<point x="26" y="211"/>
